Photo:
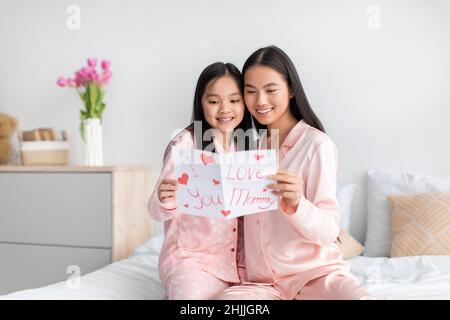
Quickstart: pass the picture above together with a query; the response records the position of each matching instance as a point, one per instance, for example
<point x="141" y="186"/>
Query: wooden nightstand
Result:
<point x="55" y="217"/>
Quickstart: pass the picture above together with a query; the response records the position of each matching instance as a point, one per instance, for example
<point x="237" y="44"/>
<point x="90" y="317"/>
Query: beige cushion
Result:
<point x="349" y="246"/>
<point x="420" y="224"/>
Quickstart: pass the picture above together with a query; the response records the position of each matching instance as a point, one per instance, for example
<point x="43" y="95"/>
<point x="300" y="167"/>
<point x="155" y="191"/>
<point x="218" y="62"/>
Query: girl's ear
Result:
<point x="291" y="93"/>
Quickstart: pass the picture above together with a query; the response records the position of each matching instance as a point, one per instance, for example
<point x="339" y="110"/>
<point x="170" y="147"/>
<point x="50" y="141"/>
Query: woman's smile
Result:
<point x="264" y="110"/>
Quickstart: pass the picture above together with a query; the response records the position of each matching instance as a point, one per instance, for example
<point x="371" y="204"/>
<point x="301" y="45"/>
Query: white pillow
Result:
<point x="345" y="199"/>
<point x="379" y="186"/>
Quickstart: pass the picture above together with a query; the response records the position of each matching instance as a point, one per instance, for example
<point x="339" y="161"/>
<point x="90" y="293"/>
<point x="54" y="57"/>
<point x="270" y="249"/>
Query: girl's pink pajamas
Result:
<point x="199" y="257"/>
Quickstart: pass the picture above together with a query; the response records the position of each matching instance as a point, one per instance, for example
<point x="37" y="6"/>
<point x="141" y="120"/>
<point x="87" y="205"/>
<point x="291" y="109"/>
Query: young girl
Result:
<point x="202" y="256"/>
<point x="290" y="252"/>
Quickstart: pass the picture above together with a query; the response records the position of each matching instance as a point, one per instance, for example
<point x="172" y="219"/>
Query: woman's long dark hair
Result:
<point x="211" y="72"/>
<point x="275" y="58"/>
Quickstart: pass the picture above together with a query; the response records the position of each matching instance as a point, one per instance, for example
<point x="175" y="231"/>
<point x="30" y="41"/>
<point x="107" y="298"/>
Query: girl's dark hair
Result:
<point x="211" y="72"/>
<point x="275" y="58"/>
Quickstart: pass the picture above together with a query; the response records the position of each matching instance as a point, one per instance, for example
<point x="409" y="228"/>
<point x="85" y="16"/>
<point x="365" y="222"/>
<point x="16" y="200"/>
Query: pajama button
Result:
<point x="257" y="221"/>
<point x="232" y="249"/>
<point x="234" y="229"/>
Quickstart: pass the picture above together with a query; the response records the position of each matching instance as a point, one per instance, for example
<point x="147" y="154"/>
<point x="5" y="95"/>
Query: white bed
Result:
<point x="420" y="277"/>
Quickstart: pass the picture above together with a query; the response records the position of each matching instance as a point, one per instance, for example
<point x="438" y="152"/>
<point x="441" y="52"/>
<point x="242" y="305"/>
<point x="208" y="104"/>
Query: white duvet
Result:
<point x="420" y="277"/>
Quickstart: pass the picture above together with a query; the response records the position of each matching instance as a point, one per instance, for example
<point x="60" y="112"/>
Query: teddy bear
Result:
<point x="8" y="125"/>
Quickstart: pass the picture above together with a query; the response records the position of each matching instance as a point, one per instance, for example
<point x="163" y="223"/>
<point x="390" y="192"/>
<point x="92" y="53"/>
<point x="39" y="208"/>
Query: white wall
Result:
<point x="382" y="94"/>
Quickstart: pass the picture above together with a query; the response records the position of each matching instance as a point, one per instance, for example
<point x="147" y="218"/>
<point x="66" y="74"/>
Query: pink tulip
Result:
<point x="105" y="77"/>
<point x="92" y="75"/>
<point x="105" y="64"/>
<point x="79" y="79"/>
<point x="78" y="74"/>
<point x="96" y="78"/>
<point x="92" y="62"/>
<point x="84" y="72"/>
<point x="62" y="82"/>
<point x="71" y="82"/>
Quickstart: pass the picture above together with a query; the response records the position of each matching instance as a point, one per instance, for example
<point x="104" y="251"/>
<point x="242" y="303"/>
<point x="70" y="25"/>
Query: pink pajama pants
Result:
<point x="190" y="283"/>
<point x="333" y="286"/>
<point x="193" y="284"/>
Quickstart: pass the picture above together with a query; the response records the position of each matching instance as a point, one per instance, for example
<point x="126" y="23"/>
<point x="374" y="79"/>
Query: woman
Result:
<point x="290" y="252"/>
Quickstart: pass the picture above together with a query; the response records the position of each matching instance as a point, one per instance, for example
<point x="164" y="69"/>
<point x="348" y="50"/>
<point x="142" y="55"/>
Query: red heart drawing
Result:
<point x="186" y="205"/>
<point x="216" y="182"/>
<point x="206" y="159"/>
<point x="183" y="179"/>
<point x="259" y="156"/>
<point x="225" y="213"/>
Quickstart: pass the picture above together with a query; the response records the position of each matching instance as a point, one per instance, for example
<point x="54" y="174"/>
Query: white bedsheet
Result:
<point x="421" y="277"/>
<point x="415" y="277"/>
<point x="134" y="278"/>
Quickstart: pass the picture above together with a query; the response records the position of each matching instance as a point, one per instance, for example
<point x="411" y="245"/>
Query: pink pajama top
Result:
<point x="209" y="244"/>
<point x="288" y="250"/>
